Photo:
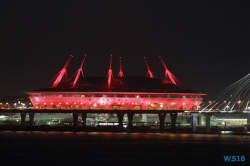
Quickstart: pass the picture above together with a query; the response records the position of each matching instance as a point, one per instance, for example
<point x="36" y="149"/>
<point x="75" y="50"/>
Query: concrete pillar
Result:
<point x="120" y="119"/>
<point x="75" y="117"/>
<point x="162" y="117"/>
<point x="201" y="121"/>
<point x="31" y="116"/>
<point x="173" y="117"/>
<point x="194" y="121"/>
<point x="248" y="119"/>
<point x="23" y="116"/>
<point x="144" y="117"/>
<point x="208" y="122"/>
<point x="130" y="119"/>
<point x="84" y="117"/>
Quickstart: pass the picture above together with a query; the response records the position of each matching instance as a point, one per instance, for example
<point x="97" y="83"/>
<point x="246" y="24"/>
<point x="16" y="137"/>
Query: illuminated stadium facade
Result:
<point x="115" y="93"/>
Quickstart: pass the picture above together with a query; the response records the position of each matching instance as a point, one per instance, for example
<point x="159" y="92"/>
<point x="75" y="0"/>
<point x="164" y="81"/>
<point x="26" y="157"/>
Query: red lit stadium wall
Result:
<point x="115" y="100"/>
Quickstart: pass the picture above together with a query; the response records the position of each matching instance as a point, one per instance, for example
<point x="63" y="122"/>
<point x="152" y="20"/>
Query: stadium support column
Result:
<point x="84" y="116"/>
<point x="23" y="116"/>
<point x="130" y="120"/>
<point x="75" y="117"/>
<point x="248" y="119"/>
<point x="31" y="116"/>
<point x="194" y="120"/>
<point x="144" y="117"/>
<point x="162" y="117"/>
<point x="208" y="122"/>
<point x="173" y="117"/>
<point x="120" y="119"/>
<point x="201" y="120"/>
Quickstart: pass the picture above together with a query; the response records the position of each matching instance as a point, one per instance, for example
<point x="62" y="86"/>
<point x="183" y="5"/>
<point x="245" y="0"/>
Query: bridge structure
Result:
<point x="234" y="98"/>
<point x="195" y="114"/>
<point x="232" y="101"/>
<point x="83" y="113"/>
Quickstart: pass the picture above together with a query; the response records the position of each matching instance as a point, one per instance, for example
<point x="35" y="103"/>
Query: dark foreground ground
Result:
<point x="110" y="148"/>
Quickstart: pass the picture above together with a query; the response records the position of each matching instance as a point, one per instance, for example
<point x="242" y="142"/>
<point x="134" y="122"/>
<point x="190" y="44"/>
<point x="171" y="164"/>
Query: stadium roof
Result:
<point x="119" y="84"/>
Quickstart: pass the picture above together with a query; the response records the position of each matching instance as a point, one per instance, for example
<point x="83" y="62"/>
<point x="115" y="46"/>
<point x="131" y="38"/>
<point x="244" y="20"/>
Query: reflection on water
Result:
<point x="81" y="148"/>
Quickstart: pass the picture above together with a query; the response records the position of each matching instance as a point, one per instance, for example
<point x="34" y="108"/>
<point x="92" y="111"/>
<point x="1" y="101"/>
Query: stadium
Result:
<point x="120" y="93"/>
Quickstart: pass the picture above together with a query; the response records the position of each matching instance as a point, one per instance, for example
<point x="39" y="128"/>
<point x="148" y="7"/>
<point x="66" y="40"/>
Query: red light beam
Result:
<point x="151" y="75"/>
<point x="120" y="72"/>
<point x="62" y="73"/>
<point x="79" y="71"/>
<point x="110" y="72"/>
<point x="168" y="74"/>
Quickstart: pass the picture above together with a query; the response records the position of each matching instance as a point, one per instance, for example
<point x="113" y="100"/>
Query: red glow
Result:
<point x="149" y="71"/>
<point x="110" y="72"/>
<point x="109" y="100"/>
<point x="120" y="72"/>
<point x="168" y="74"/>
<point x="62" y="73"/>
<point x="79" y="71"/>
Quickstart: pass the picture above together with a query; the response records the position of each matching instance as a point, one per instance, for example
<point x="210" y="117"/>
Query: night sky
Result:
<point x="205" y="44"/>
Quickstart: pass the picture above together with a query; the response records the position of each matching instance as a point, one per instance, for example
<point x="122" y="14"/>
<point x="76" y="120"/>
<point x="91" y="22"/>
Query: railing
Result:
<point x="73" y="108"/>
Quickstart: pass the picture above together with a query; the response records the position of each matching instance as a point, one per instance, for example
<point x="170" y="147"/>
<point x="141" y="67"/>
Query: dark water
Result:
<point x="107" y="148"/>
